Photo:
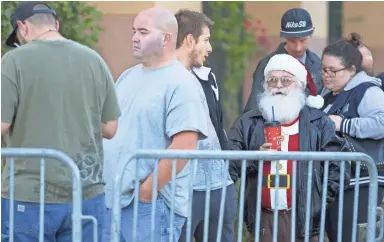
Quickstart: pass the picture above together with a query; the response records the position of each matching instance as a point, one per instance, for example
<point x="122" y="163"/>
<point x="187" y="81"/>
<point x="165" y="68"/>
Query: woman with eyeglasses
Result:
<point x="356" y="106"/>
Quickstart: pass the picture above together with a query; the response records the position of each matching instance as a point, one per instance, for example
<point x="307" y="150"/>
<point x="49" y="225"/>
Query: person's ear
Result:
<point x="190" y="41"/>
<point x="23" y="29"/>
<point x="57" y="26"/>
<point x="352" y="70"/>
<point x="167" y="37"/>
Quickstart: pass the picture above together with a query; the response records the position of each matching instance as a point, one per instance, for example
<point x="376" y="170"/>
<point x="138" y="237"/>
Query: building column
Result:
<point x="175" y="6"/>
<point x="319" y="14"/>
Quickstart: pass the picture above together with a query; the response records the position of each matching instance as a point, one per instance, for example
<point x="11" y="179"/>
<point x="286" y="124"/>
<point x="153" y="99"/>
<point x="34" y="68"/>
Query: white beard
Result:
<point x="286" y="107"/>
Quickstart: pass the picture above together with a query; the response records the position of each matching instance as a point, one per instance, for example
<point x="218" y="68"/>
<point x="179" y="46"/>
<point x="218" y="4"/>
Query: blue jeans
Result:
<point x="143" y="230"/>
<point x="57" y="220"/>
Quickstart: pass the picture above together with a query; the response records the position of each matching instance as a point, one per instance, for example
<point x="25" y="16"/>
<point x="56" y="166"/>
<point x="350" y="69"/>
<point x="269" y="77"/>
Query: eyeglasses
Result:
<point x="329" y="72"/>
<point x="285" y="81"/>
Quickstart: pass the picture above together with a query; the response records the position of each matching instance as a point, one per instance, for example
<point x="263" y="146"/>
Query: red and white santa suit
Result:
<point x="289" y="142"/>
<point x="289" y="136"/>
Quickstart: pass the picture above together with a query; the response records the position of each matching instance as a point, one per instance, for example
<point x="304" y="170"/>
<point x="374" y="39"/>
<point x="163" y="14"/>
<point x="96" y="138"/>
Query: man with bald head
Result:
<point x="162" y="108"/>
<point x="154" y="40"/>
<point x="367" y="61"/>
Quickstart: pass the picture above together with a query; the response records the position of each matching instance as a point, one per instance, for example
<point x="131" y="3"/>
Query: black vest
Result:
<point x="345" y="105"/>
<point x="347" y="102"/>
<point x="214" y="106"/>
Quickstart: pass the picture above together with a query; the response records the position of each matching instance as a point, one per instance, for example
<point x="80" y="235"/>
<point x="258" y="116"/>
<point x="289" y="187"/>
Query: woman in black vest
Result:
<point x="356" y="106"/>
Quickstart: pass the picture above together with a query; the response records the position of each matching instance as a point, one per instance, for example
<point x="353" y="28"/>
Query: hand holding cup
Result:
<point x="266" y="147"/>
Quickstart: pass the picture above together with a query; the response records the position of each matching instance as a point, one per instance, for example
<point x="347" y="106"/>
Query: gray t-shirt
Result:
<point x="155" y="105"/>
<point x="218" y="176"/>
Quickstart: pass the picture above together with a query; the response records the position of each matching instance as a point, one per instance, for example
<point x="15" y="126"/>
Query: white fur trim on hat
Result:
<point x="315" y="101"/>
<point x="288" y="63"/>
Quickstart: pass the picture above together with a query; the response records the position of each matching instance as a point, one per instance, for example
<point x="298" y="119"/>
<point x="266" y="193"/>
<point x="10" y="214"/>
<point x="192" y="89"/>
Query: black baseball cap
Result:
<point x="23" y="11"/>
<point x="296" y="23"/>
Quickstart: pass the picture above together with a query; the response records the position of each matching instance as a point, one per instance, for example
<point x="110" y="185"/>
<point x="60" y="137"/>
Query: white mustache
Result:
<point x="279" y="91"/>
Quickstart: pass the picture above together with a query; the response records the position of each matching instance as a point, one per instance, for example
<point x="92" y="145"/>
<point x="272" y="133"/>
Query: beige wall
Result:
<point x="366" y="18"/>
<point x="134" y="7"/>
<point x="270" y="14"/>
<point x="363" y="17"/>
<point x="121" y="8"/>
<point x="115" y="41"/>
<point x="319" y="14"/>
<point x="177" y="5"/>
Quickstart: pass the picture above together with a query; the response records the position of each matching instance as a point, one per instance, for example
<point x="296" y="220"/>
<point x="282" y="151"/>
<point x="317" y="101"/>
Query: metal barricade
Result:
<point x="381" y="225"/>
<point x="76" y="189"/>
<point x="244" y="156"/>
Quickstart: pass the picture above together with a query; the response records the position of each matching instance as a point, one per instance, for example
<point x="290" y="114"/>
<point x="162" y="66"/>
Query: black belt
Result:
<point x="284" y="181"/>
<point x="280" y="212"/>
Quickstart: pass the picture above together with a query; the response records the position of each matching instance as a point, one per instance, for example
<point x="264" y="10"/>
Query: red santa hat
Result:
<point x="288" y="63"/>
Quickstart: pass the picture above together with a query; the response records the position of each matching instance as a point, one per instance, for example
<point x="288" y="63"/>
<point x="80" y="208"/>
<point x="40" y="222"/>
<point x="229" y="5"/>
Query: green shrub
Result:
<point x="78" y="21"/>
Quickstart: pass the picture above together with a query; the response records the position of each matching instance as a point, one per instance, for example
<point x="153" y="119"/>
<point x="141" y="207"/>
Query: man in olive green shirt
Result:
<point x="57" y="94"/>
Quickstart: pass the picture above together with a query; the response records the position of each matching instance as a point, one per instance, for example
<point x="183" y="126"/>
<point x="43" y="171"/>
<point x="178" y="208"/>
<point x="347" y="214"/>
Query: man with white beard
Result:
<point x="303" y="128"/>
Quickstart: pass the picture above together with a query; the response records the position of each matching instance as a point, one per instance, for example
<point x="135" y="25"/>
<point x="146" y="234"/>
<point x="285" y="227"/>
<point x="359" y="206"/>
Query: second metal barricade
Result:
<point x="343" y="159"/>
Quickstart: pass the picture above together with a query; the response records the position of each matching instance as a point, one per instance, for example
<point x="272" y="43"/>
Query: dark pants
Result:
<point x="284" y="228"/>
<point x="332" y="213"/>
<point x="198" y="211"/>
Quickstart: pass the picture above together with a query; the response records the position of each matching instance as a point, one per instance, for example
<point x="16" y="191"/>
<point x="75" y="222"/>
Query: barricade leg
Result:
<point x="323" y="201"/>
<point x="222" y="204"/>
<point x="356" y="202"/>
<point x="241" y="202"/>
<point x="207" y="204"/>
<point x="190" y="214"/>
<point x="373" y="189"/>
<point x="294" y="201"/>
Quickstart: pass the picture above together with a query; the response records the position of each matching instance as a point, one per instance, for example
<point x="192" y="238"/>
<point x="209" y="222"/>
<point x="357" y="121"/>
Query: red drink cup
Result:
<point x="272" y="134"/>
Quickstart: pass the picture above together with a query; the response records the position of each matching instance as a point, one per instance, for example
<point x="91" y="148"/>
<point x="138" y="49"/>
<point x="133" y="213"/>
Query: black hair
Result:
<point x="348" y="51"/>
